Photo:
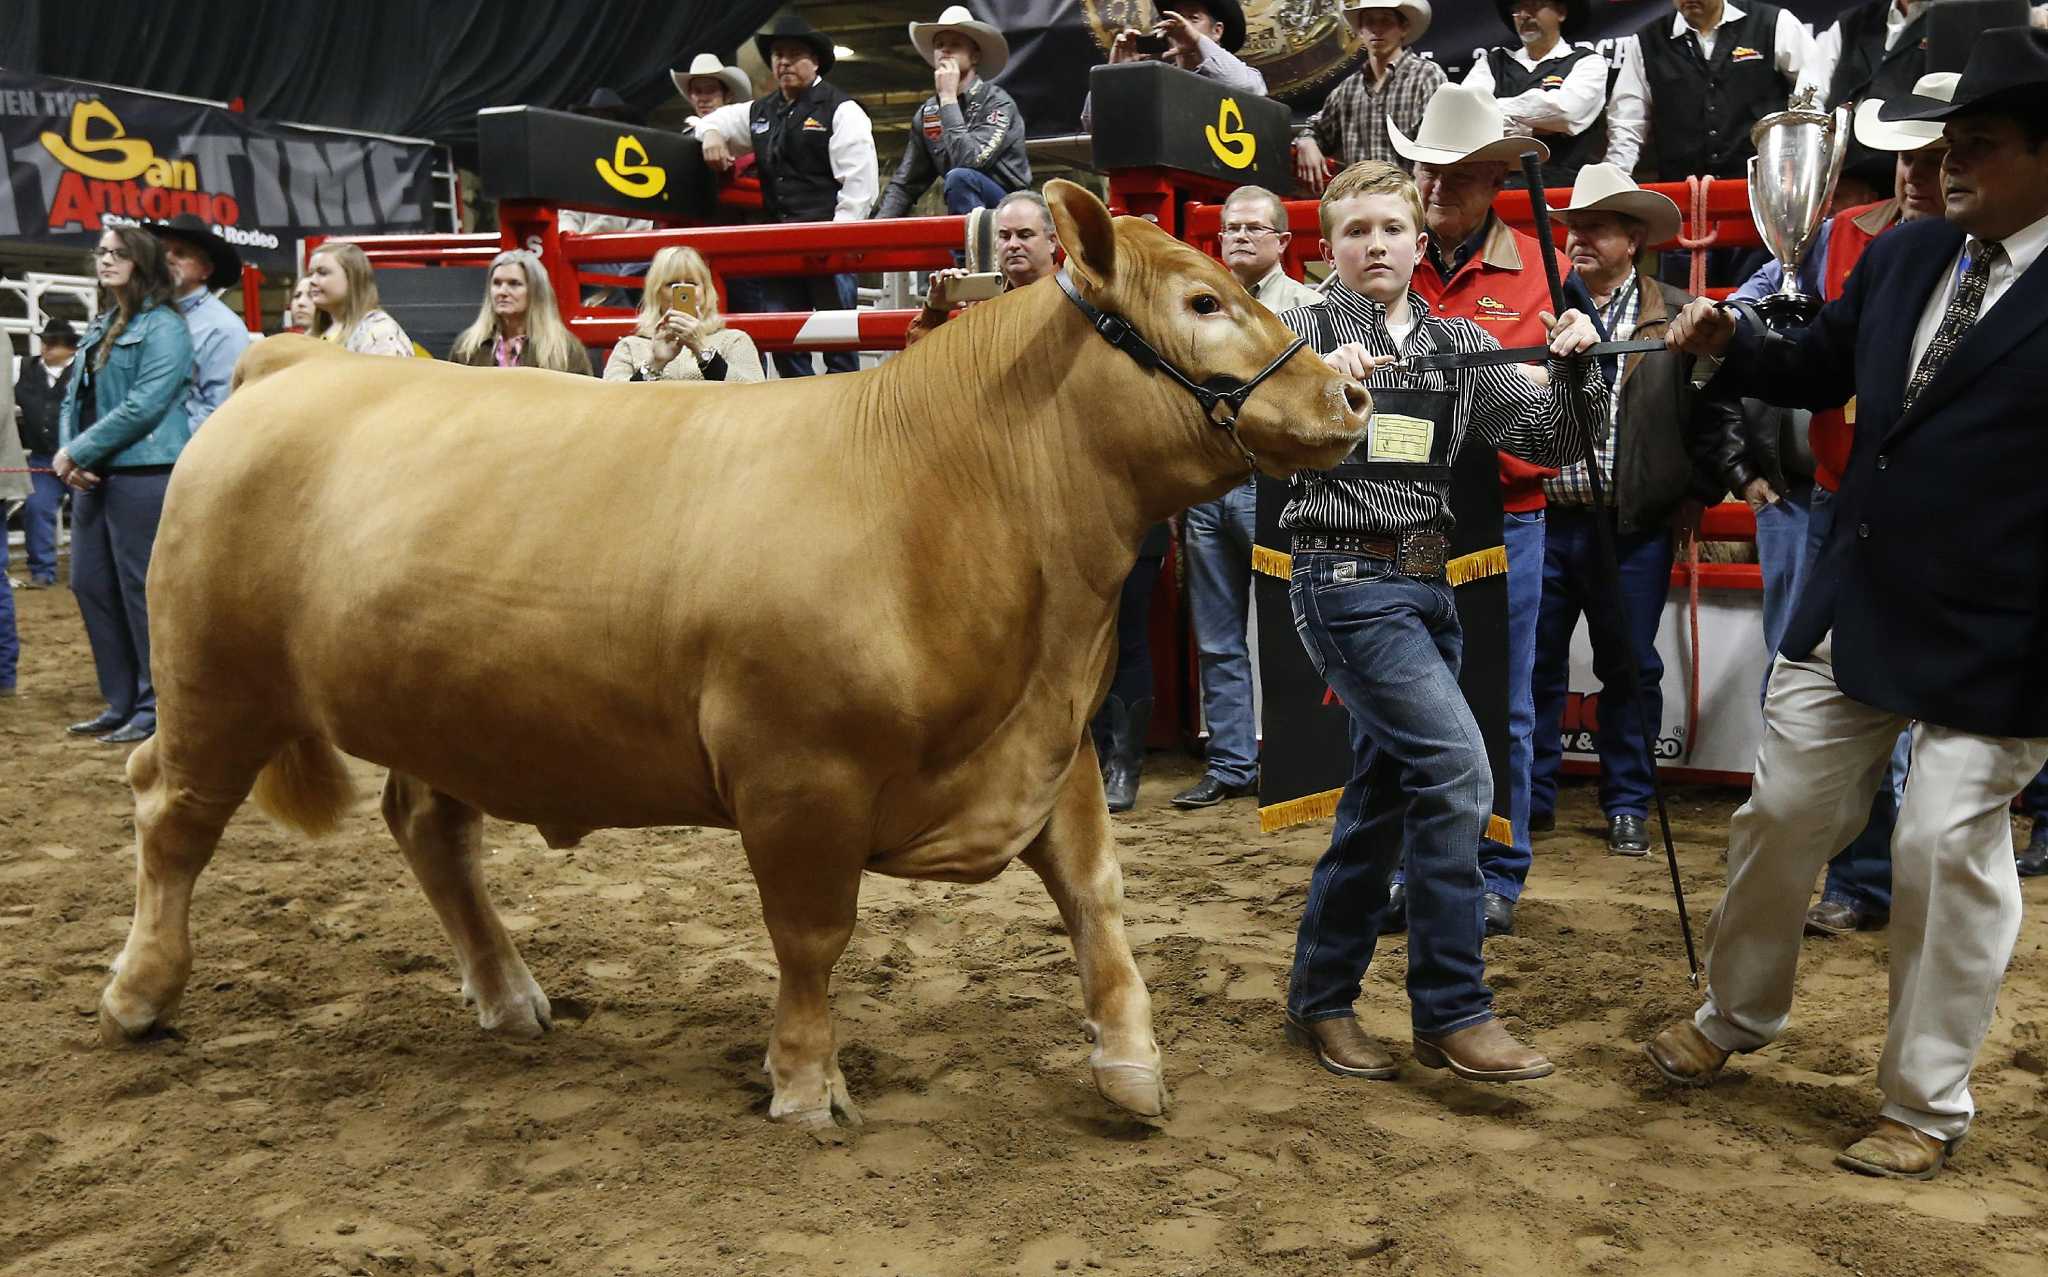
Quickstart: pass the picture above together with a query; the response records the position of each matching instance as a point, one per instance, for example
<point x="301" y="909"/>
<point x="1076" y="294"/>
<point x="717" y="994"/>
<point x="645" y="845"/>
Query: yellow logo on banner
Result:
<point x="1228" y="138"/>
<point x="628" y="171"/>
<point x="114" y="156"/>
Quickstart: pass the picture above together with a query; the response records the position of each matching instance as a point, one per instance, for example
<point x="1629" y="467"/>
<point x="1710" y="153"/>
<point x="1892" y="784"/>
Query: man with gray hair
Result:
<point x="1024" y="254"/>
<point x="1253" y="243"/>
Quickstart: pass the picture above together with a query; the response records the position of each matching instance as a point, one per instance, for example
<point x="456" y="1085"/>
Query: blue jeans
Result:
<point x="39" y="520"/>
<point x="1861" y="873"/>
<point x="1389" y="646"/>
<point x="970" y="188"/>
<point x="1219" y="540"/>
<point x="2034" y="798"/>
<point x="10" y="638"/>
<point x="113" y="530"/>
<point x="814" y="292"/>
<point x="1783" y="534"/>
<point x="1506" y="868"/>
<point x="1574" y="583"/>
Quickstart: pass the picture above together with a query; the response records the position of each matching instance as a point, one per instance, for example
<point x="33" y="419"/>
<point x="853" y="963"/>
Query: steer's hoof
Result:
<point x="832" y="1122"/>
<point x="1136" y="1088"/>
<point x="526" y="1017"/>
<point x="119" y="1027"/>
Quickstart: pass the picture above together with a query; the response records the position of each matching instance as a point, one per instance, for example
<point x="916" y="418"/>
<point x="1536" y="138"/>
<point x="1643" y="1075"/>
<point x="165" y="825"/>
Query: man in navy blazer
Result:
<point x="1928" y="605"/>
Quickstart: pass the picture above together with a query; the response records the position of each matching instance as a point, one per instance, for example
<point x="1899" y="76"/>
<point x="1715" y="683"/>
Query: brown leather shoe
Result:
<point x="1684" y="1055"/>
<point x="1897" y="1150"/>
<point x="1483" y="1052"/>
<point x="1343" y="1048"/>
<point x="1841" y="917"/>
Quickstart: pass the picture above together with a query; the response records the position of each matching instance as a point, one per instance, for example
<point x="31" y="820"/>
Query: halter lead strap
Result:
<point x="1221" y="397"/>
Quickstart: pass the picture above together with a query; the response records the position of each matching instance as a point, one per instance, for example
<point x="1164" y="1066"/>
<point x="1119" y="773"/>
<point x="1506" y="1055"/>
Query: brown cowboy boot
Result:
<point x="1483" y="1052"/>
<point x="1897" y="1150"/>
<point x="1684" y="1055"/>
<point x="1343" y="1048"/>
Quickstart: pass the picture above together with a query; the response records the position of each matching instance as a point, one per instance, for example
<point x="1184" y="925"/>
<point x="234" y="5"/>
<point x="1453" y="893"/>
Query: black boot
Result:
<point x="1128" y="724"/>
<point x="1101" y="731"/>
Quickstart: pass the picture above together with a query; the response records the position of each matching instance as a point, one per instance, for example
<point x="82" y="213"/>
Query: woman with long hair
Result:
<point x="680" y="335"/>
<point x="298" y="315"/>
<point x="122" y="427"/>
<point x="344" y="295"/>
<point x="518" y="325"/>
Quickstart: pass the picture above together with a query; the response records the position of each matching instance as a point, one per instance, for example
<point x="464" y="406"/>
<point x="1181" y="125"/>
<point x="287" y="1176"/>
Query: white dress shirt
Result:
<point x="1827" y="47"/>
<point x="2022" y="250"/>
<point x="1570" y="108"/>
<point x="1628" y="113"/>
<point x="851" y="152"/>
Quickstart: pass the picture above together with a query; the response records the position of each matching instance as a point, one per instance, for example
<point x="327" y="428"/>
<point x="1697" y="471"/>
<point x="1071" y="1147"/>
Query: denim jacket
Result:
<point x="139" y="395"/>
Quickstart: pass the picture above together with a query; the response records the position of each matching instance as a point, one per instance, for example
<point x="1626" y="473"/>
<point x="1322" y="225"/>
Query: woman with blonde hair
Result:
<point x="678" y="313"/>
<point x="344" y="295"/>
<point x="519" y="326"/>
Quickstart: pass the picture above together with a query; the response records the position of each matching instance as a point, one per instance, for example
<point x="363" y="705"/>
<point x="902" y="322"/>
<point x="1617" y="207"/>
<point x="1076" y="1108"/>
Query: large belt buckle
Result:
<point x="1422" y="553"/>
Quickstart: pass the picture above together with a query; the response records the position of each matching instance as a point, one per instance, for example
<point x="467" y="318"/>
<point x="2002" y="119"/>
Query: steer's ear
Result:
<point x="1085" y="231"/>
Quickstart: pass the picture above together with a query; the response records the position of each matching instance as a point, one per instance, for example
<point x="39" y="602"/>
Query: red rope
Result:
<point x="26" y="470"/>
<point x="1696" y="191"/>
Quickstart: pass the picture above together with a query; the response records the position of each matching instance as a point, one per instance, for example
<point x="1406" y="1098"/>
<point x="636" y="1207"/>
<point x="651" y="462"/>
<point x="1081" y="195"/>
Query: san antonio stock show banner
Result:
<point x="81" y="157"/>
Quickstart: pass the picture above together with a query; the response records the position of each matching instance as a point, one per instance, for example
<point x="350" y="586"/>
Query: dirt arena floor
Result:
<point x="327" y="1106"/>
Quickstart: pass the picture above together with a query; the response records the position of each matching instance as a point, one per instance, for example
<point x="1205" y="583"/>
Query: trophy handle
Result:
<point x="1843" y="131"/>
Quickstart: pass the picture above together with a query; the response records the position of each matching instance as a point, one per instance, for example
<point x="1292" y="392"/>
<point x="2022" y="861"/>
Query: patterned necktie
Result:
<point x="1961" y="315"/>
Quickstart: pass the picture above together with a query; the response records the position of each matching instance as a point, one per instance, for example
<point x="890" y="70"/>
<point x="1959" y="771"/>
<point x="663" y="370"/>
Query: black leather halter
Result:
<point x="1221" y="397"/>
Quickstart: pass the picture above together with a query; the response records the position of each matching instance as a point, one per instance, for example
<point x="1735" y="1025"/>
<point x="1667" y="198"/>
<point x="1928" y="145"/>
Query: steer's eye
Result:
<point x="1206" y="304"/>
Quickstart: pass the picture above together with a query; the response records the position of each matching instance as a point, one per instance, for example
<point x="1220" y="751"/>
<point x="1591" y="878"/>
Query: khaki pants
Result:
<point x="1955" y="892"/>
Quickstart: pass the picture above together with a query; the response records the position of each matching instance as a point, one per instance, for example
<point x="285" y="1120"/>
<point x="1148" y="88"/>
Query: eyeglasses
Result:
<point x="111" y="254"/>
<point x="1247" y="230"/>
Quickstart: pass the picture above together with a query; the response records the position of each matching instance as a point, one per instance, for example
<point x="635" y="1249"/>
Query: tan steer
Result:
<point x="862" y="619"/>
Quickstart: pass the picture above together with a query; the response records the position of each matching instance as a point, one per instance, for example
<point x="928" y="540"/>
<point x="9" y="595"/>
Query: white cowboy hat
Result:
<point x="1417" y="11"/>
<point x="995" y="51"/>
<point x="1905" y="135"/>
<point x="1603" y="188"/>
<point x="707" y="64"/>
<point x="1462" y="124"/>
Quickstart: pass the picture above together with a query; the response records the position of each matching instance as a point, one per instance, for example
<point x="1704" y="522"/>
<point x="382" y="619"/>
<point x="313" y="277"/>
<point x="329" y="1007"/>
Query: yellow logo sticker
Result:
<point x="113" y="156"/>
<point x="1229" y="139"/>
<point x="628" y="171"/>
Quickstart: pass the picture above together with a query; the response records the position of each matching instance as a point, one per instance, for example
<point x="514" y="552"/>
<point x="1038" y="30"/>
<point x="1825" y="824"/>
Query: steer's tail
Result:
<point x="306" y="786"/>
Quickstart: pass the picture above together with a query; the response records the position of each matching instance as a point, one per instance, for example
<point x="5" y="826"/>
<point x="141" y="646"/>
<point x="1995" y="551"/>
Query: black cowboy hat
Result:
<point x="603" y="104"/>
<point x="227" y="263"/>
<point x="1577" y="13"/>
<point x="788" y="26"/>
<point x="1229" y="12"/>
<point x="59" y="332"/>
<point x="2008" y="66"/>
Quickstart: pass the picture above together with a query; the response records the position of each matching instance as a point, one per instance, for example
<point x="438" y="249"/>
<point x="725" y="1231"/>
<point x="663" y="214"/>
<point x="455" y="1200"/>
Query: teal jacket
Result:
<point x="140" y="394"/>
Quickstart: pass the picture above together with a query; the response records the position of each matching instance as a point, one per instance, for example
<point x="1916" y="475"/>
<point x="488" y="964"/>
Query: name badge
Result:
<point x="1393" y="437"/>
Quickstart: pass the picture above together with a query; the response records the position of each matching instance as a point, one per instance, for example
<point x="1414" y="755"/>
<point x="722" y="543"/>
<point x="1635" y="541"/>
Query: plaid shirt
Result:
<point x="1352" y="125"/>
<point x="1570" y="485"/>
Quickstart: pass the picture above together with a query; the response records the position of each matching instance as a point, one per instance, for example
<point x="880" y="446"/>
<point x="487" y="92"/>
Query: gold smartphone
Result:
<point x="682" y="297"/>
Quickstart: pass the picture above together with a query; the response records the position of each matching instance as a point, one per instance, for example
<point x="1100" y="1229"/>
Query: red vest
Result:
<point x="1832" y="433"/>
<point x="1502" y="289"/>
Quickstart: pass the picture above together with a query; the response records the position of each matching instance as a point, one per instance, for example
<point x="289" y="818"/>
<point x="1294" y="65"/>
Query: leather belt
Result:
<point x="1411" y="553"/>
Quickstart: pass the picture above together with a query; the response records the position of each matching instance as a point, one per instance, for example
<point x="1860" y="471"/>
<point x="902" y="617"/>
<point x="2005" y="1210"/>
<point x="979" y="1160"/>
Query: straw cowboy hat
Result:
<point x="1417" y="12"/>
<point x="1603" y="188"/>
<point x="995" y="51"/>
<point x="1905" y="135"/>
<point x="739" y="87"/>
<point x="1462" y="124"/>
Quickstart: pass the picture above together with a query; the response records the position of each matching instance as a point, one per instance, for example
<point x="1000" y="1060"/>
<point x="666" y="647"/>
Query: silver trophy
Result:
<point x="1799" y="154"/>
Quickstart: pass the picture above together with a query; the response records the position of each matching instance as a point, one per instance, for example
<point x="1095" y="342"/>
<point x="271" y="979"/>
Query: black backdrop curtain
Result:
<point x="389" y="66"/>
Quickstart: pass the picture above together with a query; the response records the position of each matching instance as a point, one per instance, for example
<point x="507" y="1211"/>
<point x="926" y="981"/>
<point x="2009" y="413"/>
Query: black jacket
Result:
<point x="984" y="130"/>
<point x="39" y="402"/>
<point x="792" y="152"/>
<point x="1934" y="581"/>
<point x="1770" y="444"/>
<point x="1671" y="436"/>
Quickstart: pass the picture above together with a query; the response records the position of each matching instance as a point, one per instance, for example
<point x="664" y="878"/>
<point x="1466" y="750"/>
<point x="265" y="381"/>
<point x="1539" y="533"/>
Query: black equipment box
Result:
<point x="1151" y="115"/>
<point x="572" y="161"/>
